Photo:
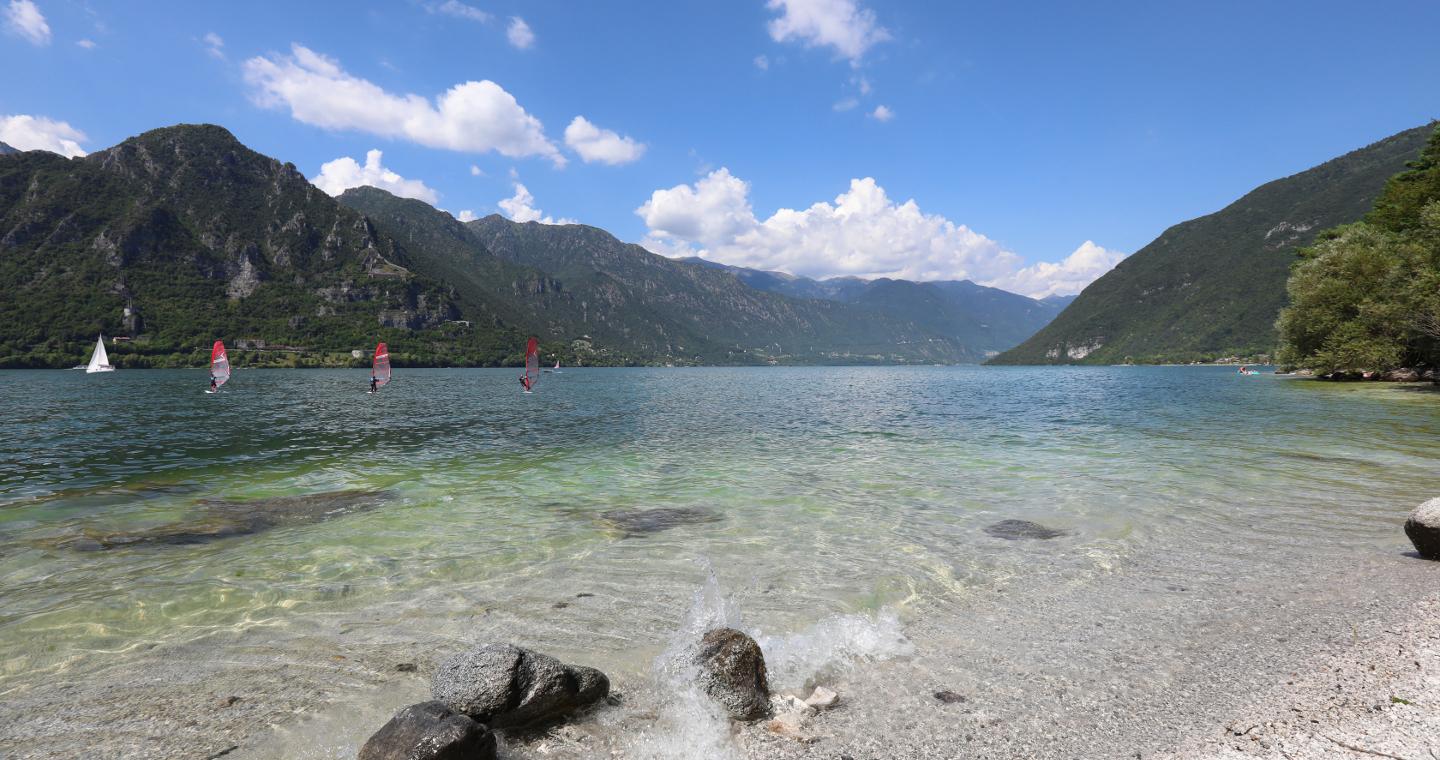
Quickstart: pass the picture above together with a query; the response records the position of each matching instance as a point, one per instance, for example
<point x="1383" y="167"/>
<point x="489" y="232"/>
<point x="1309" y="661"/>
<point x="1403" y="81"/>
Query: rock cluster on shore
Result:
<point x="497" y="686"/>
<point x="500" y="687"/>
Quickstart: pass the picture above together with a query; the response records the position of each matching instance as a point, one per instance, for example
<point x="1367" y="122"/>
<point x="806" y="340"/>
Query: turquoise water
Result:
<point x="810" y="491"/>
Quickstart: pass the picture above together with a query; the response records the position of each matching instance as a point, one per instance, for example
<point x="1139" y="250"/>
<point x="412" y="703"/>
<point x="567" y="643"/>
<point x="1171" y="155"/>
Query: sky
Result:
<point x="1024" y="145"/>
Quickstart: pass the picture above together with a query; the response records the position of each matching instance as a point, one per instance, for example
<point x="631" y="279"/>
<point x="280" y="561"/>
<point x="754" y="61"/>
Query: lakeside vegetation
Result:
<point x="1366" y="297"/>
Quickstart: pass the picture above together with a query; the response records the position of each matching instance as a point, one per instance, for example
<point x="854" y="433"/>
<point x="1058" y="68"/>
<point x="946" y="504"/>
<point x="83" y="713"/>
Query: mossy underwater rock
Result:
<point x="1423" y="528"/>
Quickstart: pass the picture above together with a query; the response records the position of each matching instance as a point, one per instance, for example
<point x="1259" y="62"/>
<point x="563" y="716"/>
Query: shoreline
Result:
<point x="1103" y="682"/>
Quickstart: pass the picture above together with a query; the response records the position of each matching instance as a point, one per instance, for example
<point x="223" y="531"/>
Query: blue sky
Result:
<point x="1039" y="142"/>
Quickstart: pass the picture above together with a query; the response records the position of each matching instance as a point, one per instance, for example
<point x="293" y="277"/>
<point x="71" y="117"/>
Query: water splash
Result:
<point x="833" y="647"/>
<point x="689" y="723"/>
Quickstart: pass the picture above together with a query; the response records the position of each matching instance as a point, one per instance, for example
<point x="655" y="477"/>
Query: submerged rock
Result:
<point x="1423" y="528"/>
<point x="228" y="518"/>
<point x="1014" y="530"/>
<point x="732" y="672"/>
<point x="430" y="731"/>
<point x="640" y="522"/>
<point x="503" y="685"/>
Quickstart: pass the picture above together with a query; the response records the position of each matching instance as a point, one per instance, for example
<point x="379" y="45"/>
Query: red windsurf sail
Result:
<point x="532" y="362"/>
<point x="219" y="364"/>
<point x="381" y="370"/>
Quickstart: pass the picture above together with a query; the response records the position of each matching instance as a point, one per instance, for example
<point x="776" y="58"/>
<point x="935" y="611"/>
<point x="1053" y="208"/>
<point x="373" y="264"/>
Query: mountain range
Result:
<point x="182" y="235"/>
<point x="1214" y="286"/>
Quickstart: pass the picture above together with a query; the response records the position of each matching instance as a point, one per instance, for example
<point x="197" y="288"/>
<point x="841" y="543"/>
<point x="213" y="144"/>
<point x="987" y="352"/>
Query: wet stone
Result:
<point x="1015" y="530"/>
<point x="641" y="522"/>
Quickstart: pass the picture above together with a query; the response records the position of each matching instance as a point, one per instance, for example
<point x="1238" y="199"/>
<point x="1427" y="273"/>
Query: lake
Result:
<point x="157" y="536"/>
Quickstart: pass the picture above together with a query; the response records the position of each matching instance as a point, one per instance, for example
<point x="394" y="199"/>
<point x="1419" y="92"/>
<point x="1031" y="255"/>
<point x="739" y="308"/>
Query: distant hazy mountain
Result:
<point x="6" y="150"/>
<point x="632" y="297"/>
<point x="1215" y="285"/>
<point x="987" y="320"/>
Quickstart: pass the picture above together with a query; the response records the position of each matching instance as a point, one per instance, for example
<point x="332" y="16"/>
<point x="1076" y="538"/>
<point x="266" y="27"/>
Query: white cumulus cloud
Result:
<point x="519" y="33"/>
<point x="476" y="171"/>
<point x="1070" y="275"/>
<point x="863" y="233"/>
<point x="596" y="144"/>
<point x="214" y="45"/>
<point x="882" y="113"/>
<point x="466" y="215"/>
<point x="839" y="24"/>
<point x="714" y="212"/>
<point x="472" y="116"/>
<point x="25" y="19"/>
<point x="25" y="132"/>
<point x="344" y="173"/>
<point x="459" y="10"/>
<point x="88" y="44"/>
<point x="520" y="207"/>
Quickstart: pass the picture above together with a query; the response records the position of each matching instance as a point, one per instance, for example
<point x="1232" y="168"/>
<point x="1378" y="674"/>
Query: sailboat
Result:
<point x="556" y="370"/>
<point x="99" y="361"/>
<point x="219" y="367"/>
<point x="380" y="370"/>
<point x="532" y="364"/>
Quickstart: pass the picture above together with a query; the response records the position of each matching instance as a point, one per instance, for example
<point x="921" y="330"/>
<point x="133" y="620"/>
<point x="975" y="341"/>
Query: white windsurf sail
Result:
<point x="99" y="360"/>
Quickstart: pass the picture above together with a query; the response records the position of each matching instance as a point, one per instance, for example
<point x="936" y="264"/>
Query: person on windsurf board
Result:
<point x="219" y="367"/>
<point x="532" y="365"/>
<point x="380" y="370"/>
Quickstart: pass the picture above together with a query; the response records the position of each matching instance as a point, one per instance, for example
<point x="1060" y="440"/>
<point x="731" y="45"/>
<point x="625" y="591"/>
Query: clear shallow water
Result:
<point x="825" y="491"/>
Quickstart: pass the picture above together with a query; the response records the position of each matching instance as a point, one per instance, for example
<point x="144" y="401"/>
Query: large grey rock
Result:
<point x="1423" y="528"/>
<point x="732" y="672"/>
<point x="430" y="731"/>
<point x="502" y="685"/>
<point x="1402" y="375"/>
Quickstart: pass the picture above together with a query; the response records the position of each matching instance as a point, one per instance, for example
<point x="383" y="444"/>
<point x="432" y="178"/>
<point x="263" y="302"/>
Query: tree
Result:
<point x="1366" y="296"/>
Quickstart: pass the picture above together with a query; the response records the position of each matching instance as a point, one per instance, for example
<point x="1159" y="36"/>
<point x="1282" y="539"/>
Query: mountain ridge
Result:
<point x="1214" y="285"/>
<point x="181" y="235"/>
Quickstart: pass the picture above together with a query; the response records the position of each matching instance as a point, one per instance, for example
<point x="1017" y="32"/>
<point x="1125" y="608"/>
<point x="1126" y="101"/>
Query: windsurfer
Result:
<point x="213" y="387"/>
<point x="374" y="386"/>
<point x="525" y="382"/>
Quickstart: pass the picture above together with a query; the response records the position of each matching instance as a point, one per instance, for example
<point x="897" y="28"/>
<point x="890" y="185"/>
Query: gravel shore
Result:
<point x="1380" y="698"/>
<point x="1172" y="655"/>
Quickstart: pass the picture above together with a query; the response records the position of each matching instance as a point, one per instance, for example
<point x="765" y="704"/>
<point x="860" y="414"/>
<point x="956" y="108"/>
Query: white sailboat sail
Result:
<point x="99" y="361"/>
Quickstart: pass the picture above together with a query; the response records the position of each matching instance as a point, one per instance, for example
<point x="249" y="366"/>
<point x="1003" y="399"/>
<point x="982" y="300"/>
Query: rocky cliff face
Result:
<point x="205" y="237"/>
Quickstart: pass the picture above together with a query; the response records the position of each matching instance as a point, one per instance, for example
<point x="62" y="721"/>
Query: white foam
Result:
<point x="832" y="647"/>
<point x="689" y="723"/>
